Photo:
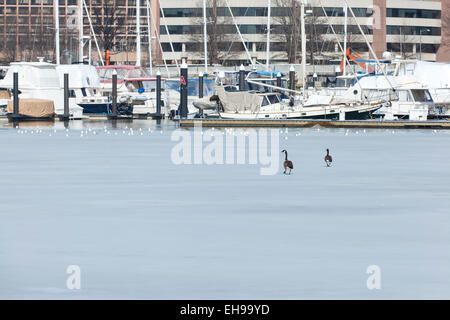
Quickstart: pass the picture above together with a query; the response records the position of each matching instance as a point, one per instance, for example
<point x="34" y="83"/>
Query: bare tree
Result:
<point x="315" y="29"/>
<point x="287" y="28"/>
<point x="105" y="23"/>
<point x="10" y="50"/>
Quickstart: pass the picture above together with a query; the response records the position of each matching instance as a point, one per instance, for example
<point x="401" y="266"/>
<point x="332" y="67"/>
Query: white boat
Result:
<point x="434" y="76"/>
<point x="410" y="99"/>
<point x="134" y="87"/>
<point x="84" y="88"/>
<point x="253" y="105"/>
<point x="39" y="80"/>
<point x="417" y="89"/>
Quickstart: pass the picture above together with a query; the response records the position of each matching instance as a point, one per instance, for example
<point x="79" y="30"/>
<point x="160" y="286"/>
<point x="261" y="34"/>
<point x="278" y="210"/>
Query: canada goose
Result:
<point x="287" y="163"/>
<point x="328" y="158"/>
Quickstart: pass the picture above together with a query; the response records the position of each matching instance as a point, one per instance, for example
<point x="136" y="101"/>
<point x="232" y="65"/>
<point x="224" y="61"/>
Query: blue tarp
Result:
<point x="373" y="61"/>
<point x="270" y="74"/>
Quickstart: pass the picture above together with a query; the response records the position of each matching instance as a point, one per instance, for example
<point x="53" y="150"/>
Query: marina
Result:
<point x="108" y="198"/>
<point x="223" y="149"/>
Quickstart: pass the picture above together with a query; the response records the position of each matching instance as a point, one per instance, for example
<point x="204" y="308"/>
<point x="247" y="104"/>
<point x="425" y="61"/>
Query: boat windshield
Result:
<point x="137" y="73"/>
<point x="273" y="99"/>
<point x="421" y="96"/>
<point x="270" y="99"/>
<point x="148" y="86"/>
<point x="106" y="74"/>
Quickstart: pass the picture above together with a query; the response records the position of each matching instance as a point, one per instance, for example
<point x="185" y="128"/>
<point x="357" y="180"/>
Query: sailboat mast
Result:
<point x="345" y="37"/>
<point x="268" y="36"/>
<point x="80" y="32"/>
<point x="302" y="18"/>
<point x="205" y="36"/>
<point x="149" y="32"/>
<point x="57" y="50"/>
<point x="93" y="32"/>
<point x="138" y="33"/>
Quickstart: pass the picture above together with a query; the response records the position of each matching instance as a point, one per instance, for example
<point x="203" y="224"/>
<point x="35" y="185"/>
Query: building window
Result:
<point x="413" y="13"/>
<point x="414" y="30"/>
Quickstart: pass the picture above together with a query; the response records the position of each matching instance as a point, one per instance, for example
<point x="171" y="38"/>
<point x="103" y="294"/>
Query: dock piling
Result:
<point x="66" y="113"/>
<point x="279" y="81"/>
<point x="200" y="85"/>
<point x="184" y="91"/>
<point x="114" y="96"/>
<point x="16" y="94"/>
<point x="158" y="94"/>
<point x="200" y="90"/>
<point x="241" y="78"/>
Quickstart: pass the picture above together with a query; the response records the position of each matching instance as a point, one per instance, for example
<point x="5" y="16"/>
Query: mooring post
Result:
<point x="200" y="91"/>
<point x="158" y="94"/>
<point x="184" y="90"/>
<point x="242" y="78"/>
<point x="200" y="85"/>
<point x="279" y="81"/>
<point x="66" y="96"/>
<point x="114" y="95"/>
<point x="291" y="79"/>
<point x="16" y="94"/>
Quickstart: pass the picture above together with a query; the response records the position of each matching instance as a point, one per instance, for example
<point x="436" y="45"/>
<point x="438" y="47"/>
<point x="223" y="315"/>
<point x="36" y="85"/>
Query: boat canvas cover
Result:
<point x="32" y="75"/>
<point x="36" y="108"/>
<point x="5" y="94"/>
<point x="433" y="74"/>
<point x="80" y="76"/>
<point x="239" y="101"/>
<point x="204" y="104"/>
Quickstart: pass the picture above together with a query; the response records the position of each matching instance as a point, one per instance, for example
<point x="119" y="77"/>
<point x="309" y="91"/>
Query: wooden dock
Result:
<point x="283" y="123"/>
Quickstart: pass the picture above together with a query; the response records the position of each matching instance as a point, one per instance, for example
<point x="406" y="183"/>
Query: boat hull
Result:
<point x="96" y="108"/>
<point x="22" y="117"/>
<point x="352" y="113"/>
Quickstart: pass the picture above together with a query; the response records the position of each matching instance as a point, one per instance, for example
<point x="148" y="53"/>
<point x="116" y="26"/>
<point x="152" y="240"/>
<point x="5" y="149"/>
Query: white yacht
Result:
<point x="408" y="100"/>
<point x="39" y="80"/>
<point x="433" y="76"/>
<point x="84" y="88"/>
<point x="417" y="90"/>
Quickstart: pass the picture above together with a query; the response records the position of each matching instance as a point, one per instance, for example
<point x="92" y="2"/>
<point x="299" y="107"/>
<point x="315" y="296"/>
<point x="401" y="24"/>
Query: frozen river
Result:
<point x="113" y="202"/>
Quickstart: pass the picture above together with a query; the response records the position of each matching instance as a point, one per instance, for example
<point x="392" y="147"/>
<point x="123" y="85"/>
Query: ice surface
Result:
<point x="140" y="227"/>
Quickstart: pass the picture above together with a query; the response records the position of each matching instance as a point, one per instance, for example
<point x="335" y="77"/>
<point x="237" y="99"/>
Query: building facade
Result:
<point x="407" y="28"/>
<point x="27" y="28"/>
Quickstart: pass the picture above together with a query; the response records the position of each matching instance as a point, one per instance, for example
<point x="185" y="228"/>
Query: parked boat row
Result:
<point x="401" y="94"/>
